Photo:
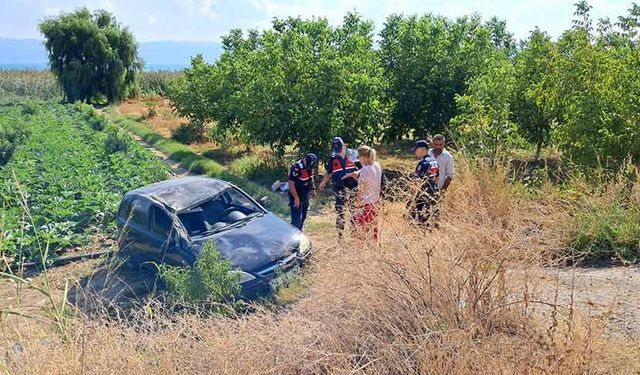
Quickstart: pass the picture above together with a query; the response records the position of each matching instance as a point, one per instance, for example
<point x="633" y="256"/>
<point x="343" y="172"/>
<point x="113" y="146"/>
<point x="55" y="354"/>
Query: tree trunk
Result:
<point x="538" y="149"/>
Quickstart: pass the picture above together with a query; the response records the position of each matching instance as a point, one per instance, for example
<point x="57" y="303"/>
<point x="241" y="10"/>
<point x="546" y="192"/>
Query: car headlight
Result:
<point x="243" y="276"/>
<point x="305" y="244"/>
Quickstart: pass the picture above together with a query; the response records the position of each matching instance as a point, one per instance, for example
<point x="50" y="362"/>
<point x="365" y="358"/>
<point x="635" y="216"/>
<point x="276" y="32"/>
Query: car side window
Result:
<point x="159" y="221"/>
<point x="136" y="213"/>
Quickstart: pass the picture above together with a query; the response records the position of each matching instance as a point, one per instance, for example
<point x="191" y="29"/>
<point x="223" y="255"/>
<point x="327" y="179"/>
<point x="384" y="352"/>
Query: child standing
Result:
<point x="370" y="191"/>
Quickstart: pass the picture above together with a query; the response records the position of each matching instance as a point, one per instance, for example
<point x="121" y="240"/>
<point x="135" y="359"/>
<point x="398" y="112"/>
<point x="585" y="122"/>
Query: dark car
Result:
<point x="170" y="221"/>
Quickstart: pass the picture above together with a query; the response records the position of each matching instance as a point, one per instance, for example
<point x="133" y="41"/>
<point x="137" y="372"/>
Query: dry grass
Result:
<point x="465" y="299"/>
<point x="163" y="123"/>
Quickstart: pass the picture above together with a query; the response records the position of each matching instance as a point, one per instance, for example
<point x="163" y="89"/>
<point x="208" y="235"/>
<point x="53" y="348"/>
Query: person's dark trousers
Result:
<point x="344" y="200"/>
<point x="299" y="215"/>
<point x="427" y="209"/>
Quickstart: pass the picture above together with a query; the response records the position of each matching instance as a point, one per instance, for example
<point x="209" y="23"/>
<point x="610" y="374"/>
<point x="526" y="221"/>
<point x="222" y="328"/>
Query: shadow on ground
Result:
<point x="114" y="288"/>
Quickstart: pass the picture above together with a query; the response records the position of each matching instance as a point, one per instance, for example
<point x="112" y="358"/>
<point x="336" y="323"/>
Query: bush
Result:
<point x="152" y="107"/>
<point x="607" y="228"/>
<point x="209" y="282"/>
<point x="116" y="141"/>
<point x="262" y="170"/>
<point x="188" y="133"/>
<point x="29" y="108"/>
<point x="10" y="136"/>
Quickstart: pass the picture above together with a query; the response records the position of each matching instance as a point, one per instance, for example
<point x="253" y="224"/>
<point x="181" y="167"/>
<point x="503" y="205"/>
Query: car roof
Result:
<point x="181" y="193"/>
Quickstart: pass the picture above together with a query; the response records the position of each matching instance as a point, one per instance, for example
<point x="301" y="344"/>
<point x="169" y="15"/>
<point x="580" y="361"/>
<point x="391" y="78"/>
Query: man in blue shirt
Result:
<point x="301" y="187"/>
<point x="424" y="207"/>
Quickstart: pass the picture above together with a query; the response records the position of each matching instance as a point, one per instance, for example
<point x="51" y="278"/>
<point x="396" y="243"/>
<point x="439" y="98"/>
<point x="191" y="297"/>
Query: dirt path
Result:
<point x="177" y="170"/>
<point x="612" y="293"/>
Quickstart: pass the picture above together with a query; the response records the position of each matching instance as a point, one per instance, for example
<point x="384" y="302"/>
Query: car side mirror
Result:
<point x="265" y="201"/>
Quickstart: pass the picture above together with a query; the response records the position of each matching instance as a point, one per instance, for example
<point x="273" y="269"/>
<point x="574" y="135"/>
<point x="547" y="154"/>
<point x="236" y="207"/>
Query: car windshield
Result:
<point x="222" y="211"/>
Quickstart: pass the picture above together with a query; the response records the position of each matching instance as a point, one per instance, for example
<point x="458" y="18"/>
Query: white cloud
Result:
<point x="200" y="7"/>
<point x="206" y="7"/>
<point x="52" y="11"/>
<point x="152" y="19"/>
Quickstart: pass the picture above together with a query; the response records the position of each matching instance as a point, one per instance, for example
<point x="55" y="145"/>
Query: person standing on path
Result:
<point x="423" y="208"/>
<point x="369" y="192"/>
<point x="345" y="189"/>
<point x="301" y="188"/>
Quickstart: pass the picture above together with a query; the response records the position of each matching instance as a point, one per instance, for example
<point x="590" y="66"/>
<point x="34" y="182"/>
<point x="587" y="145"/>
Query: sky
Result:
<point x="208" y="20"/>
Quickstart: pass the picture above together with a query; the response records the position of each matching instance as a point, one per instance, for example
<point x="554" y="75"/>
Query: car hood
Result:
<point x="256" y="244"/>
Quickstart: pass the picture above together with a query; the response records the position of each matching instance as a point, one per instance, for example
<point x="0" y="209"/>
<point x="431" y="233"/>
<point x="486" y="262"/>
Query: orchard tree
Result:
<point x="92" y="55"/>
<point x="190" y="94"/>
<point x="597" y="94"/>
<point x="429" y="61"/>
<point x="482" y="126"/>
<point x="535" y="75"/>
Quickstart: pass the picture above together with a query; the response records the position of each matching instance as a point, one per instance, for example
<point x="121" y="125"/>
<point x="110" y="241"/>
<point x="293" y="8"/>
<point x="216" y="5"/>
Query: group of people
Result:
<point x="358" y="185"/>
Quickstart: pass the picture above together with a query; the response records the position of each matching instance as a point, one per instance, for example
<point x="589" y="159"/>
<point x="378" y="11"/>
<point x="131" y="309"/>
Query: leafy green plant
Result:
<point x="482" y="126"/>
<point x="116" y="141"/>
<point x="209" y="282"/>
<point x="11" y="135"/>
<point x="152" y="107"/>
<point x="72" y="183"/>
<point x="29" y="107"/>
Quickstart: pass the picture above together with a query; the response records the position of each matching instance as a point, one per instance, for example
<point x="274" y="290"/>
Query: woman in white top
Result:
<point x="369" y="191"/>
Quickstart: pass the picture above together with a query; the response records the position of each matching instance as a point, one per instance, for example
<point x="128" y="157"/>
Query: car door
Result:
<point x="163" y="236"/>
<point x="133" y="220"/>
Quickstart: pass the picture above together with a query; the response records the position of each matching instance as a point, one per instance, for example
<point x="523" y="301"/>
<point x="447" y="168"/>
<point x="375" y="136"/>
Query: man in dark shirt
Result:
<point x="424" y="207"/>
<point x="338" y="166"/>
<point x="301" y="187"/>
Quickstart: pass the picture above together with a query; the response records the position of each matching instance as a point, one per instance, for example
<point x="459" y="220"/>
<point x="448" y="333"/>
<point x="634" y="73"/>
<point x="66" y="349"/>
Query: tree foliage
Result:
<point x="430" y="60"/>
<point x="296" y="84"/>
<point x="597" y="90"/>
<point x="483" y="126"/>
<point x="532" y="101"/>
<point x="93" y="57"/>
<point x="301" y="82"/>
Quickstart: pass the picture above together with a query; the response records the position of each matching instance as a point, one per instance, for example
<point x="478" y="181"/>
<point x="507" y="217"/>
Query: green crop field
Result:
<point x="67" y="174"/>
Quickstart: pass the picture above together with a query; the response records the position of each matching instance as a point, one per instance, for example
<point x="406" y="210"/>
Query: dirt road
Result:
<point x="609" y="292"/>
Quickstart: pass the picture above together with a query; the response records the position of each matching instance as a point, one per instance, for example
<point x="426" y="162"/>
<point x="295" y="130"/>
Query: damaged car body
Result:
<point x="170" y="221"/>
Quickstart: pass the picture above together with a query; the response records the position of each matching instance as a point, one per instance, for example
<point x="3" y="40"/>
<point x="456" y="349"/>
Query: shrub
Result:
<point x="152" y="107"/>
<point x="187" y="133"/>
<point x="259" y="169"/>
<point x="156" y="82"/>
<point x="29" y="107"/>
<point x="209" y="282"/>
<point x="607" y="228"/>
<point x="116" y="141"/>
<point x="10" y="136"/>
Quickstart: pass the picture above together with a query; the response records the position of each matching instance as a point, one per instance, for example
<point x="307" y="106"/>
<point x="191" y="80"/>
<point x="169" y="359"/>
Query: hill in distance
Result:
<point x="161" y="55"/>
